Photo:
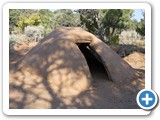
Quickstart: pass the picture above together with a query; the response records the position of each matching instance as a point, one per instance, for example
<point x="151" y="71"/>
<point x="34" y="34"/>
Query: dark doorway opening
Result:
<point x="95" y="65"/>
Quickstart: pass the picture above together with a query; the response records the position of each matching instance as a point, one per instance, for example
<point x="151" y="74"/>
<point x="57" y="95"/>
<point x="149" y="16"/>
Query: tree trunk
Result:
<point x="100" y="32"/>
<point x="113" y="30"/>
<point x="99" y="27"/>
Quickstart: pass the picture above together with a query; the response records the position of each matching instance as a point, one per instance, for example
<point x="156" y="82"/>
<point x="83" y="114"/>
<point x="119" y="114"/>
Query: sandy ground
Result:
<point x="103" y="94"/>
<point x="136" y="60"/>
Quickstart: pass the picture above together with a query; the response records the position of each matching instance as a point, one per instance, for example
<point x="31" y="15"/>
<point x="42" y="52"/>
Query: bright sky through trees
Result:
<point x="136" y="15"/>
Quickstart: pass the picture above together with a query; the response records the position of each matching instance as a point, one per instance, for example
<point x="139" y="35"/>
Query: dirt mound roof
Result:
<point x="55" y="69"/>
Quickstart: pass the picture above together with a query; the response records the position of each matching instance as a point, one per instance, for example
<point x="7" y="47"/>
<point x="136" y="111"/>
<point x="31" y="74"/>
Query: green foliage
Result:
<point x="113" y="18"/>
<point x="13" y="18"/>
<point x="46" y="17"/>
<point x="141" y="28"/>
<point x="108" y="22"/>
<point x="65" y="17"/>
<point x="116" y="20"/>
<point x="114" y="39"/>
<point x="34" y="19"/>
<point x="89" y="19"/>
<point x="134" y="23"/>
<point x="24" y="21"/>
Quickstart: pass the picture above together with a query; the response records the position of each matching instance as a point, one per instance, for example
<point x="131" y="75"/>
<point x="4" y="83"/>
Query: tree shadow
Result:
<point x="16" y="55"/>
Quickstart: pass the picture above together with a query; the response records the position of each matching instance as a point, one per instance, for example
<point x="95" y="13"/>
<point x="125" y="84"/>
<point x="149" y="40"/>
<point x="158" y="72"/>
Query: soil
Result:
<point x="136" y="60"/>
<point x="19" y="50"/>
<point x="103" y="94"/>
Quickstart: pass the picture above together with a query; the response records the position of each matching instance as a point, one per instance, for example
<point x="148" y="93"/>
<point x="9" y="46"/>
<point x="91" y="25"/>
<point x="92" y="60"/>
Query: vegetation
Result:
<point x="141" y="26"/>
<point x="34" y="33"/>
<point x="107" y="24"/>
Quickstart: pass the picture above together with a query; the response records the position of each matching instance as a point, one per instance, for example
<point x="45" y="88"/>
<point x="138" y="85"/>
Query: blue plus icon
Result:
<point x="147" y="99"/>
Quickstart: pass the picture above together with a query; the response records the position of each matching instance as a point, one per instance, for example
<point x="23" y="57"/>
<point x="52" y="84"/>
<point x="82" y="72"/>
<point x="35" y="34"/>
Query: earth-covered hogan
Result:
<point x="83" y="58"/>
<point x="72" y="68"/>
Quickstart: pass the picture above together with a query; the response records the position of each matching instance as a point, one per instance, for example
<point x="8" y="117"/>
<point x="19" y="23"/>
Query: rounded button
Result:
<point x="147" y="99"/>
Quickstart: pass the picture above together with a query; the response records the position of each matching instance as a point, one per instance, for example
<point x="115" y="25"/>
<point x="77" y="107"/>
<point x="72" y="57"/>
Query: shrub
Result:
<point x="34" y="32"/>
<point x="114" y="39"/>
<point x="16" y="30"/>
<point x="18" y="38"/>
<point x="12" y="42"/>
<point x="129" y="37"/>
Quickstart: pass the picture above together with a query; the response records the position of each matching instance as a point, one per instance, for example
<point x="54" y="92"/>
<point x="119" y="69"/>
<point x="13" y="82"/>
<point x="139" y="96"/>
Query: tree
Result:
<point x="116" y="20"/>
<point x="65" y="17"/>
<point x="134" y="24"/>
<point x="46" y="17"/>
<point x="106" y="23"/>
<point x="141" y="26"/>
<point x="89" y="19"/>
<point x="13" y="19"/>
<point x="28" y="18"/>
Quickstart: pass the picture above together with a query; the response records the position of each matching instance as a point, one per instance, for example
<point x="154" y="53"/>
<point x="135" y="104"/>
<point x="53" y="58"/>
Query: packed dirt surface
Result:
<point x="136" y="60"/>
<point x="103" y="94"/>
<point x="19" y="50"/>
